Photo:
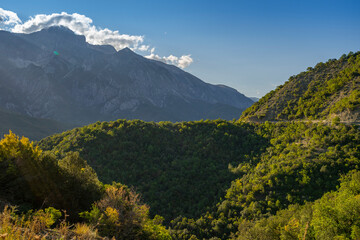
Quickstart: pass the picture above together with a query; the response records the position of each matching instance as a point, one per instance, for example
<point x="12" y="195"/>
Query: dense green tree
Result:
<point x="32" y="178"/>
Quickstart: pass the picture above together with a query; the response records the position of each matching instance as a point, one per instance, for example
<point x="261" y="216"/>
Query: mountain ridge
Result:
<point x="56" y="74"/>
<point x="327" y="91"/>
<point x="324" y="92"/>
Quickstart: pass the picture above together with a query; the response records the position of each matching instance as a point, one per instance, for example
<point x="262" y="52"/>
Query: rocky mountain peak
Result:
<point x="84" y="83"/>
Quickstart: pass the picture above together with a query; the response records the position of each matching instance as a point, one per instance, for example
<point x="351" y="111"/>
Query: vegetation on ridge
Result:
<point x="329" y="89"/>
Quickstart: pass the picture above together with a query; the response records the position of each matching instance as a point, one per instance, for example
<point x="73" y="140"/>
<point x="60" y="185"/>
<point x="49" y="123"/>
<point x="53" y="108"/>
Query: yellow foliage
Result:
<point x="112" y="214"/>
<point x="84" y="231"/>
<point x="13" y="147"/>
<point x="293" y="224"/>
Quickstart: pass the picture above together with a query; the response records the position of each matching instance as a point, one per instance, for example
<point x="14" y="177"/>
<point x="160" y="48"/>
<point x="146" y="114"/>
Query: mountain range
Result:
<point x="55" y="74"/>
<point x="294" y="176"/>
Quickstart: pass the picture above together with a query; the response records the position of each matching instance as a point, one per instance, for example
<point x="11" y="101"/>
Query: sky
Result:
<point x="252" y="46"/>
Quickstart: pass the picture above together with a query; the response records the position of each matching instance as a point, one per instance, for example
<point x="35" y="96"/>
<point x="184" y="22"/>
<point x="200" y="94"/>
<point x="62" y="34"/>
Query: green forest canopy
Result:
<point x="271" y="166"/>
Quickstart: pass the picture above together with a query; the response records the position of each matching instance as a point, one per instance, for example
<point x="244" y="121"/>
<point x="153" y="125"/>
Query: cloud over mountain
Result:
<point x="8" y="19"/>
<point x="182" y="62"/>
<point x="83" y="25"/>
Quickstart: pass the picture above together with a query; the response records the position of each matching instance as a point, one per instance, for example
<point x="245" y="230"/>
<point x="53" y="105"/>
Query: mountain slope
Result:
<point x="34" y="128"/>
<point x="182" y="170"/>
<point x="55" y="74"/>
<point x="303" y="161"/>
<point x="329" y="89"/>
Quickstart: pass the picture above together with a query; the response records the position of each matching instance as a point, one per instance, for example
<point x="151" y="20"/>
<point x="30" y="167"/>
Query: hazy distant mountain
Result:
<point x="328" y="90"/>
<point x="55" y="74"/>
<point x="255" y="99"/>
<point x="33" y="128"/>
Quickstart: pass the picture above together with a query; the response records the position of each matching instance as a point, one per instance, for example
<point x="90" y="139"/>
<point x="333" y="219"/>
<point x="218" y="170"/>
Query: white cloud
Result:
<point x="155" y="57"/>
<point x="80" y="25"/>
<point x="184" y="61"/>
<point x="83" y="25"/>
<point x="144" y="48"/>
<point x="181" y="62"/>
<point x="8" y="19"/>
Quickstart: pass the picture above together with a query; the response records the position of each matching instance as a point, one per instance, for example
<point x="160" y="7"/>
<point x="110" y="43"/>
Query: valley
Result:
<point x="127" y="147"/>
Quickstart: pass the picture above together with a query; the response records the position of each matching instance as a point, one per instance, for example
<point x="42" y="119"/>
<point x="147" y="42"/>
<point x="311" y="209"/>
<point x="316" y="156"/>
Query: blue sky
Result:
<point x="252" y="46"/>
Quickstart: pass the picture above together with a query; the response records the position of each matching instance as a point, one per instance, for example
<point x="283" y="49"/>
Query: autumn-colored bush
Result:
<point x="120" y="214"/>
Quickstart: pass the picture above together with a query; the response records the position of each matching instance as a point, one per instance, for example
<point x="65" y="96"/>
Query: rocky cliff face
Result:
<point x="55" y="74"/>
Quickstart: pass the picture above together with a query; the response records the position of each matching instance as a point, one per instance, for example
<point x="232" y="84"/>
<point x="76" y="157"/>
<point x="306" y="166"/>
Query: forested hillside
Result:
<point x="63" y="199"/>
<point x="281" y="180"/>
<point x="303" y="162"/>
<point x="180" y="169"/>
<point x="326" y="91"/>
<point x="333" y="216"/>
<point x="271" y="165"/>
